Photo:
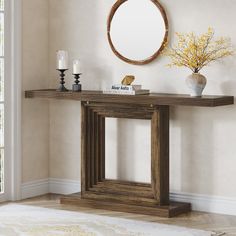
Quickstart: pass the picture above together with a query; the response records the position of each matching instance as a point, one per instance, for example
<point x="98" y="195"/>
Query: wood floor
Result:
<point x="197" y="220"/>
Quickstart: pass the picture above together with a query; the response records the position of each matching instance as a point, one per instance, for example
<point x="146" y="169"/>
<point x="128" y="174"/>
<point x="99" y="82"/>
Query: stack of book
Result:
<point x="126" y="90"/>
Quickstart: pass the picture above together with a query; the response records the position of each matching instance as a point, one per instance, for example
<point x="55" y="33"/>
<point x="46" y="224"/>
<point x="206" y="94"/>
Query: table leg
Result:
<point x="160" y="154"/>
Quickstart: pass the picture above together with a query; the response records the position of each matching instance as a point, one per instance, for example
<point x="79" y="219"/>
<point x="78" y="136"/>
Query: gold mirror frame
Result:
<point x="155" y="55"/>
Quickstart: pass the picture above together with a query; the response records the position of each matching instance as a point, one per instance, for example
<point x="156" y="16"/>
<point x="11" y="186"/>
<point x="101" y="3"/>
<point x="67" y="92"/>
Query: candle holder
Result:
<point x="77" y="87"/>
<point x="62" y="88"/>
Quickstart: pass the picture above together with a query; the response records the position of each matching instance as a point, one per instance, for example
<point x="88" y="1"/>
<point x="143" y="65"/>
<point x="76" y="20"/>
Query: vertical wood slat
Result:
<point x="160" y="154"/>
<point x="96" y="148"/>
<point x="92" y="148"/>
<point x="101" y="148"/>
<point x="83" y="148"/>
<point x="99" y="178"/>
<point x="85" y="170"/>
<point x="164" y="144"/>
<point x="88" y="157"/>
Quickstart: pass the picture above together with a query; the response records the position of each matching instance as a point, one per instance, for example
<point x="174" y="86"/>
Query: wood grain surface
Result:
<point x="151" y="99"/>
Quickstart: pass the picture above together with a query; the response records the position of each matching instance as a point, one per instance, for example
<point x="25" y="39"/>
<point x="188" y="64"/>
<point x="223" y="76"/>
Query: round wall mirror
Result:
<point x="137" y="30"/>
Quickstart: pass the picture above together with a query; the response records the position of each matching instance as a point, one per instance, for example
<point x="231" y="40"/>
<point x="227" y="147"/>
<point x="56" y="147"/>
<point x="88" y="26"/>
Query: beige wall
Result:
<point x="35" y="119"/>
<point x="202" y="158"/>
<point x="202" y="139"/>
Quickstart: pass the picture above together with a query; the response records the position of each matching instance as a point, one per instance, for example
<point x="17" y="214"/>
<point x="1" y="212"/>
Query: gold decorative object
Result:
<point x="128" y="80"/>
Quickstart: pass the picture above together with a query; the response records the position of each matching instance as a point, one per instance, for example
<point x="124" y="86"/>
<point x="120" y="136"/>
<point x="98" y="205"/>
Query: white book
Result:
<point x="126" y="87"/>
<point x="126" y="92"/>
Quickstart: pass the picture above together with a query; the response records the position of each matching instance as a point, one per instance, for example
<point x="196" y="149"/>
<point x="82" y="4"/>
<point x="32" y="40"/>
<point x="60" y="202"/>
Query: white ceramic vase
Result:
<point x="196" y="82"/>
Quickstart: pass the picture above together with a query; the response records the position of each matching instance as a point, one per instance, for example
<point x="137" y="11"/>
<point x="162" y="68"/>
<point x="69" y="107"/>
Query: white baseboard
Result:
<point x="212" y="204"/>
<point x="64" y="186"/>
<point x="51" y="185"/>
<point x="206" y="203"/>
<point x="34" y="188"/>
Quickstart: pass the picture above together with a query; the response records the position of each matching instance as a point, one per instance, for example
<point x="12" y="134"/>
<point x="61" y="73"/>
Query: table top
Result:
<point x="152" y="98"/>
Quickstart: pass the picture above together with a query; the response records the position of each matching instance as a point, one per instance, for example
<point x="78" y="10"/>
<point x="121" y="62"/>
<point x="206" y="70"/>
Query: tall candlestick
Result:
<point x="62" y="87"/>
<point x="76" y="67"/>
<point x="62" y="60"/>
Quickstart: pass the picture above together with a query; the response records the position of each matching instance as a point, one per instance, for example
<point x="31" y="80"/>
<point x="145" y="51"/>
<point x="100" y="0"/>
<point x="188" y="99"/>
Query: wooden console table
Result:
<point x="99" y="192"/>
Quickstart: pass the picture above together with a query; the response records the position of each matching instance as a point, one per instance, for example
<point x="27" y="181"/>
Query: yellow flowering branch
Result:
<point x="195" y="52"/>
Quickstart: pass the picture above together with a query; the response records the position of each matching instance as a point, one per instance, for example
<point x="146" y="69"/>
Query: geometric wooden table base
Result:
<point x="124" y="195"/>
<point x="99" y="192"/>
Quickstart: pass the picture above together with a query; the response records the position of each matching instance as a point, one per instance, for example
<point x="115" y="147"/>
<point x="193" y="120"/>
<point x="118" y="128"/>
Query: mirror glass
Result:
<point x="137" y="30"/>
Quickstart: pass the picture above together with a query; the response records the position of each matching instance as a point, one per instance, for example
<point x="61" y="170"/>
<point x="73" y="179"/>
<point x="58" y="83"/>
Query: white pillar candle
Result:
<point x="62" y="60"/>
<point x="62" y="64"/>
<point x="76" y="67"/>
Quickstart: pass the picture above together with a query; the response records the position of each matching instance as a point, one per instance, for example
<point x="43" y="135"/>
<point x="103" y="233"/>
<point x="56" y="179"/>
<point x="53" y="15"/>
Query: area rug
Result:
<point x="23" y="220"/>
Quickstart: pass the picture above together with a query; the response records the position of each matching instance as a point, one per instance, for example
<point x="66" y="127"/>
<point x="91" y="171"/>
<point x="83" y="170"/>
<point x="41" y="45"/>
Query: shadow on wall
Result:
<point x="203" y="146"/>
<point x="128" y="149"/>
<point x="196" y="147"/>
<point x="227" y="86"/>
<point x="187" y="150"/>
<point x="134" y="150"/>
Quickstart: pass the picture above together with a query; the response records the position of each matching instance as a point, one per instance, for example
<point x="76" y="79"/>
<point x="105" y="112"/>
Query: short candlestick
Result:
<point x="77" y="87"/>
